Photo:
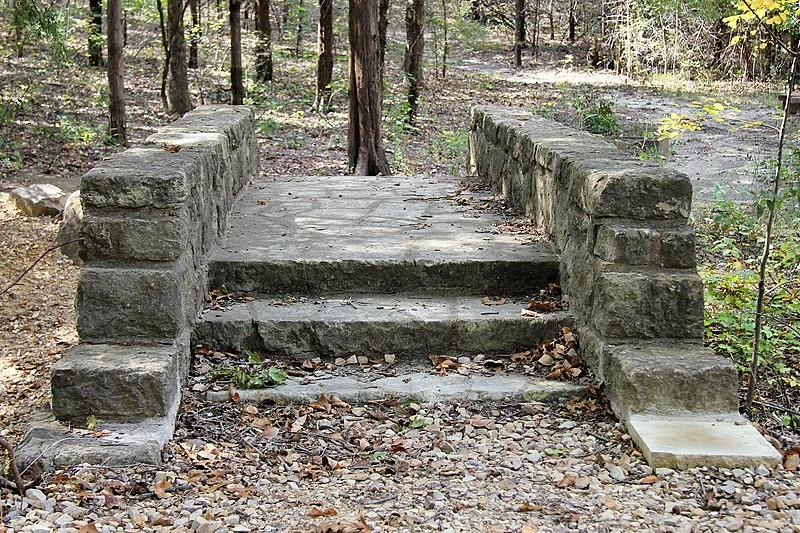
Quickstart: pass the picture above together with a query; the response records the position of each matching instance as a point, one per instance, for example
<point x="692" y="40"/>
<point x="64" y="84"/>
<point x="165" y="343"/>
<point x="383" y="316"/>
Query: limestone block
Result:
<point x="637" y="244"/>
<point x="140" y="177"/>
<point x="647" y="304"/>
<point x="39" y="200"/>
<point x="666" y="377"/>
<point x="126" y="236"/>
<point x="637" y="193"/>
<point x="114" y="382"/>
<point x="132" y="302"/>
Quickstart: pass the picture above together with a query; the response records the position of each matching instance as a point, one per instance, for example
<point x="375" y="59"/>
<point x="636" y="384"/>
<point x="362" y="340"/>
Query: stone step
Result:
<point x="366" y="324"/>
<point x="328" y="234"/>
<point x="116" y="383"/>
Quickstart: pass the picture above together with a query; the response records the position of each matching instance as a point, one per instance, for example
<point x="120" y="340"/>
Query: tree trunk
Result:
<point x="325" y="54"/>
<point x="95" y="32"/>
<point x="573" y="21"/>
<point x="415" y="46"/>
<point x="552" y="22"/>
<point x="237" y="81"/>
<point x="535" y="33"/>
<point x="365" y="152"/>
<point x="519" y="31"/>
<point x="179" y="99"/>
<point x="194" y="40"/>
<point x="117" y="129"/>
<point x="300" y="17"/>
<point x="263" y="64"/>
<point x="383" y="25"/>
<point x="446" y="43"/>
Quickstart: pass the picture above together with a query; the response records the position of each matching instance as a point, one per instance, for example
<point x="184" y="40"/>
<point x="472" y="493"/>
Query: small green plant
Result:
<point x="243" y="378"/>
<point x="450" y="146"/>
<point x="596" y="115"/>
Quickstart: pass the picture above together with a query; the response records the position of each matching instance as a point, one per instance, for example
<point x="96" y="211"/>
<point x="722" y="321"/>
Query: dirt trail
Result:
<point x="722" y="160"/>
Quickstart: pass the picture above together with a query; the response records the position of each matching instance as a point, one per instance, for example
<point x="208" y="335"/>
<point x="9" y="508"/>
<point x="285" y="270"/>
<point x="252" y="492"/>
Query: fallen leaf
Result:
<point x="172" y="148"/>
<point x="343" y="525"/>
<point x="791" y="461"/>
<point x="234" y="396"/>
<point x="270" y="433"/>
<point x="251" y="409"/>
<point x="528" y="507"/>
<point x="299" y="423"/>
<point x="88" y="528"/>
<point x="493" y="365"/>
<point x="529" y="313"/>
<point x="546" y="360"/>
<point x="316" y="512"/>
<point x="649" y="480"/>
<point x="160" y="488"/>
<point x="541" y="306"/>
<point x="322" y="404"/>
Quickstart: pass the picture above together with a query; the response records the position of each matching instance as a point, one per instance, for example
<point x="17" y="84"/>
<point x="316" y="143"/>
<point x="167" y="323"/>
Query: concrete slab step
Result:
<point x="417" y="386"/>
<point x="366" y="324"/>
<point x="52" y="444"/>
<point x="330" y="234"/>
<point x="714" y="439"/>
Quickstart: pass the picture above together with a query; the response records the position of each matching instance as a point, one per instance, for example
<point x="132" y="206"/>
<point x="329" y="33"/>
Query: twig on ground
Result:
<point x="17" y="483"/>
<point x="24" y="272"/>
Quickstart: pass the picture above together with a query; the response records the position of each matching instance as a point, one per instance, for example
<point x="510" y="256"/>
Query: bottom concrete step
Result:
<point x="51" y="444"/>
<point x="418" y="387"/>
<point x="376" y="325"/>
<point x="683" y="441"/>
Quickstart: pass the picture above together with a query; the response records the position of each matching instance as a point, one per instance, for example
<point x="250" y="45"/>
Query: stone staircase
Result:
<point x="352" y="265"/>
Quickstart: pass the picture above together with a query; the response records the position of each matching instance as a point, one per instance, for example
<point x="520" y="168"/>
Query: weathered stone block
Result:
<point x="648" y="304"/>
<point x="115" y="382"/>
<point x="130" y="237"/>
<point x="636" y="244"/>
<point x="132" y="303"/>
<point x="637" y="193"/>
<point x="139" y="177"/>
<point x="664" y="377"/>
<point x="38" y="200"/>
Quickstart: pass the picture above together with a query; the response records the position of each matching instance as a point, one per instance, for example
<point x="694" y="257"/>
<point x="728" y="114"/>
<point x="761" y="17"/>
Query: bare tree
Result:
<point x="415" y="46"/>
<point x="117" y="128"/>
<point x="324" y="54"/>
<point x="95" y="33"/>
<point x="365" y="152"/>
<point x="237" y="73"/>
<point x="179" y="99"/>
<point x="194" y="38"/>
<point x="263" y="64"/>
<point x="519" y="31"/>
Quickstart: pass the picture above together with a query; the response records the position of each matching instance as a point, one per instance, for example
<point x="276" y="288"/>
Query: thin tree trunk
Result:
<point x="237" y="73"/>
<point x="263" y="64"/>
<point x="415" y="46"/>
<point x="324" y="54"/>
<point x="165" y="45"/>
<point x="365" y="152"/>
<point x="552" y="22"/>
<point x="383" y="25"/>
<point x="762" y="277"/>
<point x="95" y="32"/>
<point x="535" y="32"/>
<point x="194" y="40"/>
<point x="19" y="34"/>
<point x="573" y="21"/>
<point x="117" y="128"/>
<point x="179" y="100"/>
<point x="519" y="31"/>
<point x="446" y="43"/>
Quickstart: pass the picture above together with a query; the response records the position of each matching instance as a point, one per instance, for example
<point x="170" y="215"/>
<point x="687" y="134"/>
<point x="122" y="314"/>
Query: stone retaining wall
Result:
<point x="151" y="216"/>
<point x="627" y="257"/>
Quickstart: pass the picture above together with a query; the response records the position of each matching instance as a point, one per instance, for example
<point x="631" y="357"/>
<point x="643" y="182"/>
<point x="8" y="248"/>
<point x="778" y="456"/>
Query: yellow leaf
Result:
<point x="735" y="39"/>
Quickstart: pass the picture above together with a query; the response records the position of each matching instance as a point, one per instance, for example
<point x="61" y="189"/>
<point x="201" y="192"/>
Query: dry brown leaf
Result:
<point x="567" y="481"/>
<point x="791" y="461"/>
<point x="298" y="424"/>
<point x="270" y="433"/>
<point x="88" y="528"/>
<point x="251" y="409"/>
<point x="338" y="402"/>
<point x="649" y="480"/>
<point x="160" y="488"/>
<point x="172" y="148"/>
<point x="529" y="313"/>
<point x="528" y="507"/>
<point x="316" y="512"/>
<point x="322" y="404"/>
<point x="541" y="306"/>
<point x="546" y="360"/>
<point x="234" y="396"/>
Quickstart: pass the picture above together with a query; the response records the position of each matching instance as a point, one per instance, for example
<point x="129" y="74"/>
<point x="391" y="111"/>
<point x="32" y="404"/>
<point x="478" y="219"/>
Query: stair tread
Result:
<point x="372" y="219"/>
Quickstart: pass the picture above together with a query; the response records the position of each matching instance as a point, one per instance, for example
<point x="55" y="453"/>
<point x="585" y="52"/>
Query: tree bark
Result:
<point x="117" y="128"/>
<point x="365" y="152"/>
<point x="194" y="40"/>
<point x="519" y="31"/>
<point x="324" y="54"/>
<point x="95" y="32"/>
<point x="263" y="64"/>
<point x="237" y="81"/>
<point x="446" y="43"/>
<point x="415" y="46"/>
<point x="383" y="25"/>
<point x="179" y="99"/>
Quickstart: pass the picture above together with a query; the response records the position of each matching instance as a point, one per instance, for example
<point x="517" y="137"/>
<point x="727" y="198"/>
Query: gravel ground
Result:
<point x="329" y="466"/>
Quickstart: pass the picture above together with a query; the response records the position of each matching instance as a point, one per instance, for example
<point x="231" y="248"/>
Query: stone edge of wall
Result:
<point x="627" y="258"/>
<point x="151" y="216"/>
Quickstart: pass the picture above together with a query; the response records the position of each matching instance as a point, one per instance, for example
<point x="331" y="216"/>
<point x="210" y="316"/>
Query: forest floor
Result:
<point x="471" y="467"/>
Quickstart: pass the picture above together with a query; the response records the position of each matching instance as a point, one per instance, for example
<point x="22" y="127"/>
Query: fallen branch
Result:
<point x="17" y="483"/>
<point x="16" y="281"/>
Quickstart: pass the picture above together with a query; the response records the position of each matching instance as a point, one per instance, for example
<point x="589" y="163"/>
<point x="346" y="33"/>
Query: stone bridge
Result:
<point x="396" y="265"/>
